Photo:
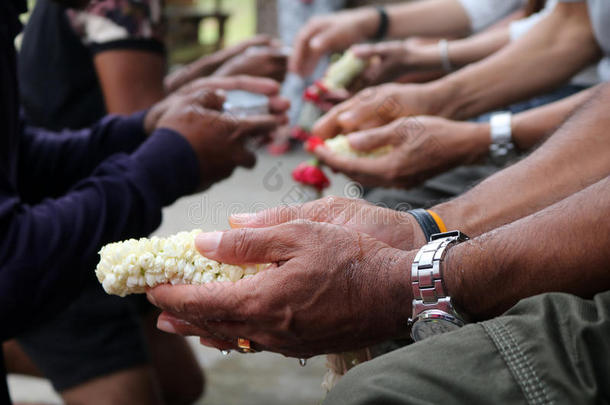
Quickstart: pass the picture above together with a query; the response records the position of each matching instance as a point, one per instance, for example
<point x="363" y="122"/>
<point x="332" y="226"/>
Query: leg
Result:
<point x="169" y="353"/>
<point x="552" y="348"/>
<point x="133" y="386"/>
<point x="17" y="361"/>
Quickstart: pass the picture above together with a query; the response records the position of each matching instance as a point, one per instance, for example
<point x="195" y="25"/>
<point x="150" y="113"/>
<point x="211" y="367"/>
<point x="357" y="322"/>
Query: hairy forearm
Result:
<point x="563" y="248"/>
<point x="571" y="159"/>
<point x="554" y="50"/>
<point x="428" y="18"/>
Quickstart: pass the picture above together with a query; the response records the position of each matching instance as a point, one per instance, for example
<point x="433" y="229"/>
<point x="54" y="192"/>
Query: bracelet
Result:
<point x="443" y="49"/>
<point x="384" y="23"/>
<point x="429" y="221"/>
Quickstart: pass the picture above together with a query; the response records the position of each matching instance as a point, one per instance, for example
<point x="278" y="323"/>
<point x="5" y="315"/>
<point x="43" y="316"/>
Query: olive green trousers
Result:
<point x="548" y="349"/>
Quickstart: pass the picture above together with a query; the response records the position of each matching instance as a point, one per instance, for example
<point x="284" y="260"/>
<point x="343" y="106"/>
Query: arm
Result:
<point x="573" y="158"/>
<point x="563" y="248"/>
<point x="562" y="42"/>
<point x="47" y="160"/>
<point x="341" y="289"/>
<point x="46" y="246"/>
<point x="338" y="31"/>
<point x="564" y="35"/>
<point x="131" y="80"/>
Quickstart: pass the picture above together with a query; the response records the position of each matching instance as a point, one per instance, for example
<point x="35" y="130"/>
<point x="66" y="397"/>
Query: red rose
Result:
<point x="313" y="142"/>
<point x="310" y="174"/>
<point x="300" y="134"/>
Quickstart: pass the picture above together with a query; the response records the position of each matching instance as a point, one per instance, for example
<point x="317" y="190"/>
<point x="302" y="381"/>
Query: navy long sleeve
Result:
<point x="47" y="247"/>
<point x="50" y="163"/>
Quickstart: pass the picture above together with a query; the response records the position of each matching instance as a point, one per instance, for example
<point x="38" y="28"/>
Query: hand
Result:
<point x="260" y="61"/>
<point x="395" y="228"/>
<point x="332" y="289"/>
<point x="330" y="33"/>
<point x="373" y="107"/>
<point x="206" y="65"/>
<point x="422" y="147"/>
<point x="218" y="140"/>
<point x="398" y="61"/>
<point x="278" y="106"/>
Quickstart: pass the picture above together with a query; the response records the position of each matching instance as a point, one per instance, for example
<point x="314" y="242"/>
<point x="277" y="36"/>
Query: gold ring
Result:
<point x="244" y="345"/>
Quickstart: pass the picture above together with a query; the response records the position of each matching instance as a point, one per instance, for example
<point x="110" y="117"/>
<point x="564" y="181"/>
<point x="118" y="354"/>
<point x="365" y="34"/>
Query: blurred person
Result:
<point x="62" y="196"/>
<point x="110" y="57"/>
<point x="522" y="308"/>
<point x="565" y="34"/>
<point x="433" y="18"/>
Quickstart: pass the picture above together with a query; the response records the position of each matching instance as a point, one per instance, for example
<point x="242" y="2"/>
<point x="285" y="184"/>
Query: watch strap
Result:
<point x="384" y="23"/>
<point x="426" y="221"/>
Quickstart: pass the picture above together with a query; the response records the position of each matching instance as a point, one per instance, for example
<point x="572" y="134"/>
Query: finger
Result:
<point x="218" y="343"/>
<point x="249" y="126"/>
<point x="301" y="52"/>
<point x="254" y="84"/>
<point x="313" y="211"/>
<point x="328" y="125"/>
<point x="365" y="51"/>
<point x="371" y="139"/>
<point x="278" y="105"/>
<point x="198" y="303"/>
<point x="243" y="246"/>
<point x="348" y="165"/>
<point x="171" y="324"/>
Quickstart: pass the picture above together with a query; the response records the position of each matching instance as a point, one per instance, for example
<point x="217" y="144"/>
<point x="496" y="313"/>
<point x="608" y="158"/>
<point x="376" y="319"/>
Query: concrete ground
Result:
<point x="236" y="379"/>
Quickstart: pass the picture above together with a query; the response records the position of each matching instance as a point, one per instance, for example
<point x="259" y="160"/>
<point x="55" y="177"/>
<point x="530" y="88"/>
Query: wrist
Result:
<point x="445" y="96"/>
<point x="401" y="295"/>
<point x="478" y="139"/>
<point x="409" y="235"/>
<point x="421" y="56"/>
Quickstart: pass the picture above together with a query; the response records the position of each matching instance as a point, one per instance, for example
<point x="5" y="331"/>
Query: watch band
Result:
<point x="384" y="23"/>
<point x="428" y="287"/>
<point x="501" y="146"/>
<point x="426" y="221"/>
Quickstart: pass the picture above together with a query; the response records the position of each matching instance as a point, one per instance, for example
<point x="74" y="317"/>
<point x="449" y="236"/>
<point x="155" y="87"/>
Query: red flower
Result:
<point x="310" y="174"/>
<point x="313" y="142"/>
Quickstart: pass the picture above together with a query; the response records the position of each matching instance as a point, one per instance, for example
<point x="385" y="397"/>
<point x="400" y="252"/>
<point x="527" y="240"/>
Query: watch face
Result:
<point x="436" y="324"/>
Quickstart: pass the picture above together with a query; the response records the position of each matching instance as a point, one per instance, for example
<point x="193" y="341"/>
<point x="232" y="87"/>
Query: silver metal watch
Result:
<point x="501" y="148"/>
<point x="433" y="312"/>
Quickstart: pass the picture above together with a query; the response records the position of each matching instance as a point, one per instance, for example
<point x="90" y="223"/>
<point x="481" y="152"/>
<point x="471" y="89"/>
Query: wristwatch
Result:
<point x="502" y="147"/>
<point x="433" y="312"/>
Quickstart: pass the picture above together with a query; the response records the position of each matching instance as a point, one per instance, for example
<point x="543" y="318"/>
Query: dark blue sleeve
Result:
<point x="47" y="249"/>
<point x="50" y="162"/>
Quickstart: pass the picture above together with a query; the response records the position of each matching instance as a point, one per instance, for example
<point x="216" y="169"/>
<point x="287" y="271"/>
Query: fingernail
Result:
<point x="151" y="298"/>
<point x="165" y="326"/>
<point x="208" y="242"/>
<point x="315" y="43"/>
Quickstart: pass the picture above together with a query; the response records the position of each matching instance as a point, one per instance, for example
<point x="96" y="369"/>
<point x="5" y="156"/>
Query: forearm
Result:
<point x="530" y="127"/>
<point x="563" y="248"/>
<point x="48" y="248"/>
<point x="553" y="51"/>
<point x="428" y="18"/>
<point x="461" y="52"/>
<point x="574" y="157"/>
<point x="54" y="162"/>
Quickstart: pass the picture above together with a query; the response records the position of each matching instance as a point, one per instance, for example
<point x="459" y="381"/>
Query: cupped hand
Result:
<point x="218" y="139"/>
<point x="374" y="107"/>
<point x="266" y="61"/>
<point x="278" y="105"/>
<point x="387" y="62"/>
<point x="330" y="33"/>
<point x="207" y="65"/>
<point x="423" y="147"/>
<point x="398" y="229"/>
<point x="331" y="289"/>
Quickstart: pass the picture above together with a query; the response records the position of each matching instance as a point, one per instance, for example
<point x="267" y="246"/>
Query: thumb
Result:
<point x="249" y="246"/>
<point x="371" y="139"/>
